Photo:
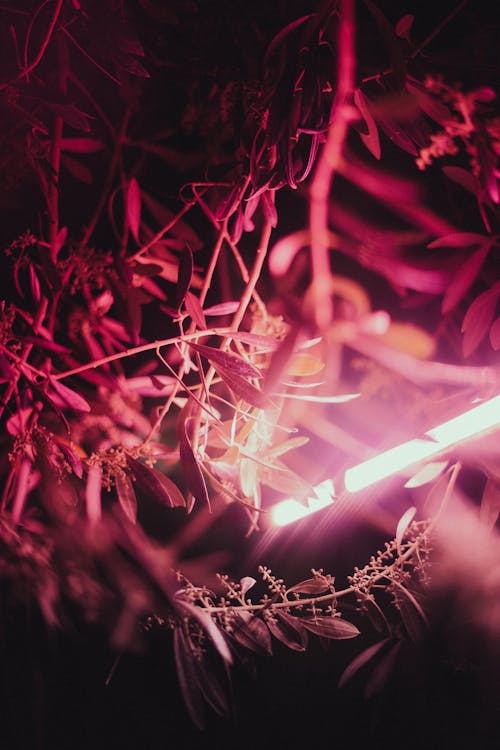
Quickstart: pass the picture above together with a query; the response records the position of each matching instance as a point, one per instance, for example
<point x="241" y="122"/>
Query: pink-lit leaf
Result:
<point x="134" y="207"/>
<point x="427" y="474"/>
<point x="242" y="388"/>
<point x="395" y="132"/>
<point x="34" y="283"/>
<point x="227" y="360"/>
<point x="193" y="475"/>
<point x="156" y="485"/>
<point x="184" y="274"/>
<point x="224" y="308"/>
<point x="289" y="630"/>
<point x="72" y="458"/>
<point x="330" y="627"/>
<point x="93" y="493"/>
<point x="67" y="396"/>
<point x="382" y="671"/>
<point x="22" y="489"/>
<point x="195" y="310"/>
<point x="154" y="386"/>
<point x="360" y="661"/>
<point x="263" y="343"/>
<point x="430" y="105"/>
<point x="283" y="33"/>
<point x="246" y="584"/>
<point x="188" y="680"/>
<point x="279" y="360"/>
<point x="284" y="251"/>
<point x="490" y="503"/>
<point x="392" y="42"/>
<point x="310" y="586"/>
<point x="403" y="26"/>
<point x="126" y="495"/>
<point x="269" y="209"/>
<point x="282" y="479"/>
<point x="340" y="399"/>
<point x="81" y="145"/>
<point x="79" y="171"/>
<point x="464" y="277"/>
<point x="459" y="239"/>
<point x="403" y="524"/>
<point x="478" y="319"/>
<point x="250" y="631"/>
<point x="51" y="346"/>
<point x="210" y="627"/>
<point x="7" y="372"/>
<point x="463" y="178"/>
<point x="411" y="612"/>
<point x="371" y="138"/>
<point x="495" y="334"/>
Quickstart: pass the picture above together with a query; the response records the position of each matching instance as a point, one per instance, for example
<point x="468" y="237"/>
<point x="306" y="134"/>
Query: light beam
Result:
<point x="472" y="423"/>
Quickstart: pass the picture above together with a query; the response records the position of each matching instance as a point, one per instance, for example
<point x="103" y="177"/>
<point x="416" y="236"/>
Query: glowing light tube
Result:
<point x="478" y="420"/>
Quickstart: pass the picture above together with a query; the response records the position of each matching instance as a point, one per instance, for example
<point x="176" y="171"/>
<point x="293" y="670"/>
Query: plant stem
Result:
<point x="327" y="165"/>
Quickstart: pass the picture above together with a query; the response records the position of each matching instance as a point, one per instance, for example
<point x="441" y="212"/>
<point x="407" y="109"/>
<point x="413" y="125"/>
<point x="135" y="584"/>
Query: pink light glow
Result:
<point x="476" y="421"/>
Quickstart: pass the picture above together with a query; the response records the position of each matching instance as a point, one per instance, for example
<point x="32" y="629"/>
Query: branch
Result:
<point x="320" y="188"/>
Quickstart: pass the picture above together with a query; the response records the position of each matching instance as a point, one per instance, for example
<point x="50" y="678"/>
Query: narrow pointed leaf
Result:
<point x="193" y="475"/>
<point x="242" y="388"/>
<point x="403" y="524"/>
<point x="464" y="277"/>
<point x="330" y="627"/>
<point x="360" y="661"/>
<point x="184" y="274"/>
<point x="126" y="496"/>
<point x="155" y="484"/>
<point x="289" y="630"/>
<point x="134" y="207"/>
<point x="229" y="361"/>
<point x="188" y="681"/>
<point x="68" y="396"/>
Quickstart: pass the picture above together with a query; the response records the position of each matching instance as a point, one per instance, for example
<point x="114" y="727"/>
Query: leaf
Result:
<point x="303" y="365"/>
<point x="242" y="388"/>
<point x="251" y="632"/>
<point x="310" y="586"/>
<point x="382" y="671"/>
<point x="7" y="372"/>
<point x="478" y="319"/>
<point x="93" y="493"/>
<point x="370" y="139"/>
<point x="392" y="42"/>
<point x="495" y="334"/>
<point x="22" y="488"/>
<point x="67" y="396"/>
<point x="126" y="495"/>
<point x="195" y="310"/>
<point x="463" y="178"/>
<point x="403" y="524"/>
<point x="184" y="274"/>
<point x="155" y="484"/>
<point x="224" y="308"/>
<point x="134" y="207"/>
<point x="360" y="661"/>
<point x="289" y="630"/>
<point x="411" y="612"/>
<point x="330" y="627"/>
<point x="246" y="584"/>
<point x="211" y="629"/>
<point x="427" y="474"/>
<point x="227" y="360"/>
<point x="403" y="26"/>
<point x="459" y="239"/>
<point x="79" y="171"/>
<point x="72" y="458"/>
<point x="193" y="476"/>
<point x="81" y="145"/>
<point x="188" y="681"/>
<point x="490" y="504"/>
<point x="464" y="277"/>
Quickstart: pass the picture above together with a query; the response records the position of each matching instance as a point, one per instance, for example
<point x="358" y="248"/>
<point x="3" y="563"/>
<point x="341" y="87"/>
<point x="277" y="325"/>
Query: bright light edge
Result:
<point x="471" y="423"/>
